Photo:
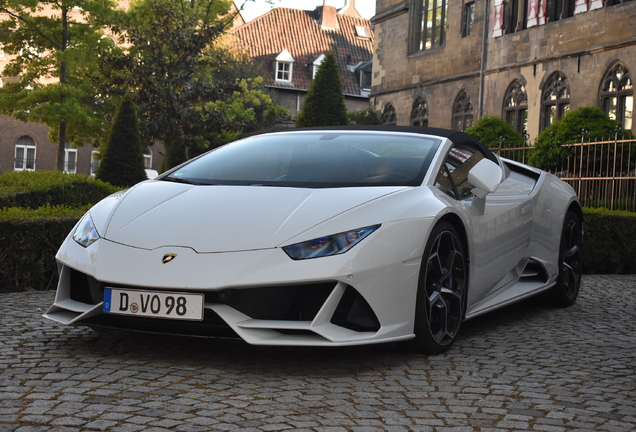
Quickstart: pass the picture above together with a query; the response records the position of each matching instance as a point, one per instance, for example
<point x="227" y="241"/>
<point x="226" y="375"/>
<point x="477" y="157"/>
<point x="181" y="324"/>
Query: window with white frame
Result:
<point x="147" y="159"/>
<point x="70" y="159"/>
<point x="24" y="154"/>
<point x="316" y="64"/>
<point x="94" y="162"/>
<point x="284" y="66"/>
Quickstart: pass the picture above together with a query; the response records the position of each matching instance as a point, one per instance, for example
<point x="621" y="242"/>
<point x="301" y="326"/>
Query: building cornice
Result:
<point x="393" y="11"/>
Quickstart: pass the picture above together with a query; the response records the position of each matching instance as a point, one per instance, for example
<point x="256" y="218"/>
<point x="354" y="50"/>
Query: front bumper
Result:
<point x="364" y="296"/>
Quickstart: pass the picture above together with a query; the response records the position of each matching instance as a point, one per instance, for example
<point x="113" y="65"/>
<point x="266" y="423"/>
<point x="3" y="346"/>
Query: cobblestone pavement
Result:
<point x="525" y="367"/>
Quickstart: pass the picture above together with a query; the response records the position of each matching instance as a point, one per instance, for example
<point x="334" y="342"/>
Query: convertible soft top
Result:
<point x="456" y="137"/>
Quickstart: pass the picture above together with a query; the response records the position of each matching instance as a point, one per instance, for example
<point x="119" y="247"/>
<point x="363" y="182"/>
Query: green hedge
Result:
<point x="37" y="211"/>
<point x="29" y="240"/>
<point x="33" y="189"/>
<point x="609" y="242"/>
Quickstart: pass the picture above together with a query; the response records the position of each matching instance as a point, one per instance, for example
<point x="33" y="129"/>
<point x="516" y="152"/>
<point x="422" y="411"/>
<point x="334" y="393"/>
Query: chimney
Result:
<point x="328" y="20"/>
<point x="349" y="9"/>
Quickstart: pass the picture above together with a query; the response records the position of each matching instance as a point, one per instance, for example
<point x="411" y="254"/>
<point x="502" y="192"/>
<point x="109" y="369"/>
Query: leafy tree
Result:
<point x="176" y="65"/>
<point x="366" y="116"/>
<point x="123" y="159"/>
<point x="54" y="45"/>
<point x="324" y="104"/>
<point x="548" y="152"/>
<point x="495" y="133"/>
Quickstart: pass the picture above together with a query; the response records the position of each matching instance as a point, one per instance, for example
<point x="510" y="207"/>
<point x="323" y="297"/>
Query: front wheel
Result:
<point x="441" y="292"/>
<point x="566" y="290"/>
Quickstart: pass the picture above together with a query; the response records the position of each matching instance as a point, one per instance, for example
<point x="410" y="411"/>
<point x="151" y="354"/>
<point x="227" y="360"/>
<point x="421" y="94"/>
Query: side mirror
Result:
<point x="485" y="176"/>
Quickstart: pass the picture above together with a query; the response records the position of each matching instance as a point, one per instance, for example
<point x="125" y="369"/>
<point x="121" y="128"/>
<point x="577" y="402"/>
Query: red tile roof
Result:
<point x="301" y="33"/>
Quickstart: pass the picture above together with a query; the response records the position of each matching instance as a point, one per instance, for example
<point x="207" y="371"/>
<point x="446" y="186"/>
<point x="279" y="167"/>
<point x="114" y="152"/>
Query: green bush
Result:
<point x="33" y="189"/>
<point x="37" y="211"/>
<point x="608" y="243"/>
<point x="324" y="104"/>
<point x="123" y="159"/>
<point x="548" y="152"/>
<point x="29" y="240"/>
<point x="490" y="130"/>
<point x="366" y="116"/>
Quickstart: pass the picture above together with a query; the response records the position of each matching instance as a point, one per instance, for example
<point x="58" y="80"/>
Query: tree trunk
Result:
<point x="61" y="139"/>
<point x="61" y="136"/>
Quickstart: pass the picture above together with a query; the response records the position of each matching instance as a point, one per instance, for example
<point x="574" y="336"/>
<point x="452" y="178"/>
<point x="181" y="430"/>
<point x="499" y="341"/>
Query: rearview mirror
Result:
<point x="485" y="176"/>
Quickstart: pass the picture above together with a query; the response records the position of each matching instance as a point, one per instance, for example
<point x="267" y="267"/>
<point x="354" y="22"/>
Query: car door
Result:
<point x="499" y="227"/>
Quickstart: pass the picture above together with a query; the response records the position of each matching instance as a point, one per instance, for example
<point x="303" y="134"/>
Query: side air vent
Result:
<point x="533" y="272"/>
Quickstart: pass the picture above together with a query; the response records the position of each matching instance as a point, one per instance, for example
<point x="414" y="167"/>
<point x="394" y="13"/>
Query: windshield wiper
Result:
<point x="182" y="180"/>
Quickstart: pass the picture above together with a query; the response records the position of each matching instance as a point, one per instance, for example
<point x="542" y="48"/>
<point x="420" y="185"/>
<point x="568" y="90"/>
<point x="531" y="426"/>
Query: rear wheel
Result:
<point x="568" y="283"/>
<point x="441" y="292"/>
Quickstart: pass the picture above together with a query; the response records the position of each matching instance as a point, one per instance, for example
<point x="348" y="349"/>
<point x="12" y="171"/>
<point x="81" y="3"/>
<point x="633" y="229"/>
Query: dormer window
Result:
<point x="316" y="64"/>
<point x="363" y="71"/>
<point x="284" y="66"/>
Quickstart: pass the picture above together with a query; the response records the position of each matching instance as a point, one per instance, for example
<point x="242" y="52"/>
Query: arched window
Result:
<point x="555" y="99"/>
<point x="515" y="106"/>
<point x="24" y="154"/>
<point x="388" y="115"/>
<point x="617" y="95"/>
<point x="462" y="112"/>
<point x="419" y="115"/>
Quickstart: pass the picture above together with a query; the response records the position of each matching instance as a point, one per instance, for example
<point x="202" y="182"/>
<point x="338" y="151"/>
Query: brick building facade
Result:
<point x="446" y="63"/>
<point x="25" y="146"/>
<point x="289" y="45"/>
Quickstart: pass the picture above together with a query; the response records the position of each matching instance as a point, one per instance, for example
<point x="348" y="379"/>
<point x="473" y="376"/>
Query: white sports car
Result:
<point x="324" y="237"/>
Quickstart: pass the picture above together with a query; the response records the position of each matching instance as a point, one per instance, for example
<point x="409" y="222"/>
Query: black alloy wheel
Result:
<point x="566" y="290"/>
<point x="441" y="294"/>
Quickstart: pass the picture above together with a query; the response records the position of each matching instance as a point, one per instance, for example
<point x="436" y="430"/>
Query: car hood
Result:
<point x="226" y="218"/>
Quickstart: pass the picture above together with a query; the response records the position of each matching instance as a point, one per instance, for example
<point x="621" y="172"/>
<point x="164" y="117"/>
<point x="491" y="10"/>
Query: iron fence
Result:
<point x="603" y="173"/>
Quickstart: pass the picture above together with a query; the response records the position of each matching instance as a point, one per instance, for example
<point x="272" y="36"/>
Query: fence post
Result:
<point x="583" y="133"/>
<point x="618" y="129"/>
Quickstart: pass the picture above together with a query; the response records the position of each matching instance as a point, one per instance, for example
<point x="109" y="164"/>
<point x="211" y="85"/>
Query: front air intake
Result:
<point x="354" y="313"/>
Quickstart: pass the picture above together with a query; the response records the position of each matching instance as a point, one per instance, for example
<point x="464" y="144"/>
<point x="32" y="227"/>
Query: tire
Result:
<point x="441" y="292"/>
<point x="566" y="290"/>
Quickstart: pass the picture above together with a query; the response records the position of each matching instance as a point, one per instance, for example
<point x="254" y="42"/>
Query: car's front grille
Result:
<point x="294" y="302"/>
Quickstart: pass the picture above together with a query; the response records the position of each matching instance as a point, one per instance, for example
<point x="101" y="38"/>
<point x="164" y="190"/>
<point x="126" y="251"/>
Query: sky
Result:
<point x="255" y="8"/>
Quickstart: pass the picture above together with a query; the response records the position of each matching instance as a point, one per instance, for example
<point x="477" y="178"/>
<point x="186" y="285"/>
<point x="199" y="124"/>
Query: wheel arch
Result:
<point x="575" y="207"/>
<point x="458" y="224"/>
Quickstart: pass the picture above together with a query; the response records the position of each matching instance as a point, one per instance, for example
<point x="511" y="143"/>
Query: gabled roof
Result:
<point x="300" y="32"/>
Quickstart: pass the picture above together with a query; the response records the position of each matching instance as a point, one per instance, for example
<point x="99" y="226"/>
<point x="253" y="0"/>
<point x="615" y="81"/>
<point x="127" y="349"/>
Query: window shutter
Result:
<point x="581" y="6"/>
<point x="498" y="18"/>
<point x="596" y="4"/>
<point x="542" y="11"/>
<point x="533" y="13"/>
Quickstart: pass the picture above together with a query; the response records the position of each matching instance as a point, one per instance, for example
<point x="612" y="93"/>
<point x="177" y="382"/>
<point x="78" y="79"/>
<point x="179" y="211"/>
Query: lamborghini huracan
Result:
<point x="324" y="237"/>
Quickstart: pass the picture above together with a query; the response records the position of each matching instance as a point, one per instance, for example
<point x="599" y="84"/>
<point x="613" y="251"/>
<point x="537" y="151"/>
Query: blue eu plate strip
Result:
<point x="107" y="296"/>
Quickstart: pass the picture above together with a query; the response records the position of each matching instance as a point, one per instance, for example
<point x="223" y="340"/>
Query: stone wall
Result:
<point x="582" y="47"/>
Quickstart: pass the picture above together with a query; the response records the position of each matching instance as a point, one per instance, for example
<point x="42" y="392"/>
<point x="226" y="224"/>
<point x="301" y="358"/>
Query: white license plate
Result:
<point x="154" y="304"/>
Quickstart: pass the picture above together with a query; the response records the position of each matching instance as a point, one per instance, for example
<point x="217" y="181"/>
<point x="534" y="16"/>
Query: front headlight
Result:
<point x="330" y="245"/>
<point x="86" y="234"/>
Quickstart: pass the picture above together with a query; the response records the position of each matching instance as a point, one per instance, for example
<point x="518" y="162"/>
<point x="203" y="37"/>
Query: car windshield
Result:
<point x="315" y="159"/>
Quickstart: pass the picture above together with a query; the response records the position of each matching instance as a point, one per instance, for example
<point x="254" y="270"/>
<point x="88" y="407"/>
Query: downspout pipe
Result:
<point x="484" y="58"/>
